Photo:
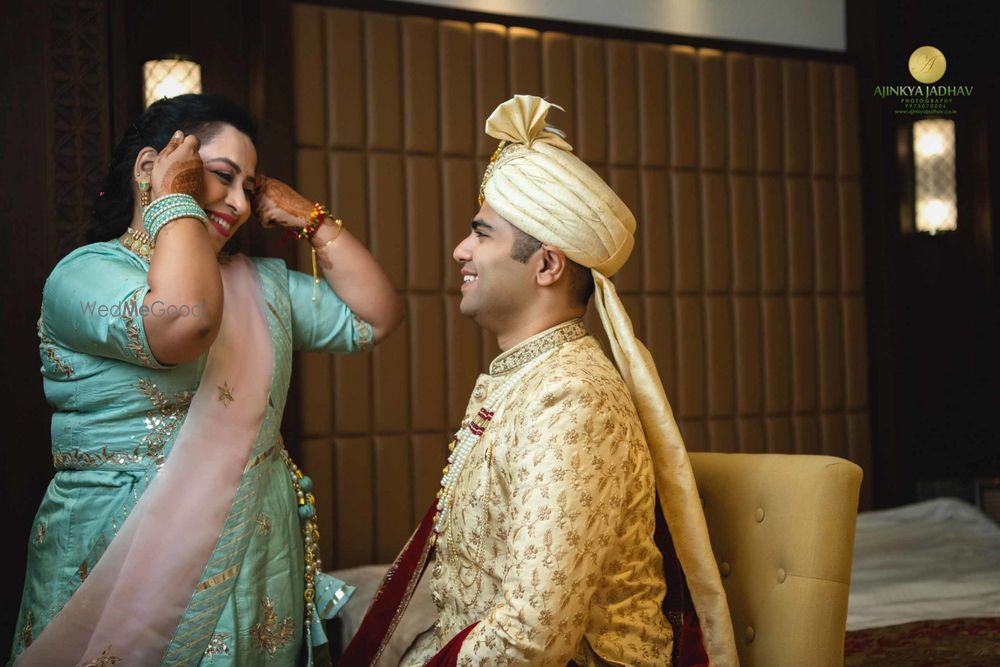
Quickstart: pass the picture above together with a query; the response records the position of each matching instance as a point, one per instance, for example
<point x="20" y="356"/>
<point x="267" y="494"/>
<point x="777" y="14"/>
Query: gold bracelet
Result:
<point x="340" y="229"/>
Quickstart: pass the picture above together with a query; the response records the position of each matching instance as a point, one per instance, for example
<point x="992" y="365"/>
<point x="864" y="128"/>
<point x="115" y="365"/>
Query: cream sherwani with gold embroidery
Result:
<point x="549" y="543"/>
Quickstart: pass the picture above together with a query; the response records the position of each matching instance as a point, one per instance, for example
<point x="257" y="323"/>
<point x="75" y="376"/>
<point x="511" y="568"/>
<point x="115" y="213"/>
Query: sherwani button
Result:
<point x="724" y="569"/>
<point x="749" y="634"/>
<point x="759" y="514"/>
<point x="781" y="575"/>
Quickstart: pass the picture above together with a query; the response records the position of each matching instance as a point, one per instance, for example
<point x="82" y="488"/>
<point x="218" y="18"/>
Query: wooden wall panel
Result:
<point x="746" y="283"/>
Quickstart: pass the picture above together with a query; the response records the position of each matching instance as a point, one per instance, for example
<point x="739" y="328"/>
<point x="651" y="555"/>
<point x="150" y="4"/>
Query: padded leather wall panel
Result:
<point x="822" y="122"/>
<point x="420" y="84"/>
<point x="424" y="243"/>
<point x="712" y="108"/>
<point x="623" y="116"/>
<point x="691" y="370"/>
<point x="390" y="382"/>
<point x="355" y="521"/>
<point x="661" y="340"/>
<point x="525" y="62"/>
<point x="846" y="96"/>
<point x="795" y="93"/>
<point x="345" y="88"/>
<point x="393" y="495"/>
<point x="749" y="356"/>
<point x="768" y="112"/>
<point x="558" y="79"/>
<point x="683" y="86"/>
<point x="386" y="218"/>
<point x="352" y="397"/>
<point x="686" y="216"/>
<point x="801" y="253"/>
<point x="314" y="376"/>
<point x="746" y="284"/>
<point x="349" y="188"/>
<point x="804" y="362"/>
<point x="307" y="73"/>
<point x="851" y="251"/>
<point x="721" y="362"/>
<point x="855" y="353"/>
<point x="427" y="384"/>
<point x="591" y="101"/>
<point x="383" y="79"/>
<point x="658" y="264"/>
<point x="457" y="104"/>
<point x="652" y="74"/>
<point x="740" y="112"/>
<point x="827" y="236"/>
<point x="777" y="356"/>
<point x="718" y="244"/>
<point x="491" y="56"/>
<point x="746" y="233"/>
<point x="774" y="233"/>
<point x="625" y="181"/>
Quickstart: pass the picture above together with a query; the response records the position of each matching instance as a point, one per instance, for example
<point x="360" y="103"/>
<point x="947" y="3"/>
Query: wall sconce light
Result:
<point x="170" y="77"/>
<point x="935" y="195"/>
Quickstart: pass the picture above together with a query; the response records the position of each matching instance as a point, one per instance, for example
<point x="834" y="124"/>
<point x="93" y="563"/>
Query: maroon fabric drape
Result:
<point x="392" y="597"/>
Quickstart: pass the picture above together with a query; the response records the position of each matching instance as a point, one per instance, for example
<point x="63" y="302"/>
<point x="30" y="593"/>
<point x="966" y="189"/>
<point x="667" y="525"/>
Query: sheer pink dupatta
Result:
<point x="136" y="595"/>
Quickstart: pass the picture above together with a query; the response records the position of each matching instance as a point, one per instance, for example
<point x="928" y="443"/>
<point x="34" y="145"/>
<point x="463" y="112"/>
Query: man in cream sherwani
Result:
<point x="543" y="550"/>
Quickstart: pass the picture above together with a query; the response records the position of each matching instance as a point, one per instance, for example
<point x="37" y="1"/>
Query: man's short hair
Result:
<point x="581" y="281"/>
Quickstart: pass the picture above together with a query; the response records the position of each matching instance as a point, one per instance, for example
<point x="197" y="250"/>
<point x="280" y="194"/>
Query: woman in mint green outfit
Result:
<point x="176" y="530"/>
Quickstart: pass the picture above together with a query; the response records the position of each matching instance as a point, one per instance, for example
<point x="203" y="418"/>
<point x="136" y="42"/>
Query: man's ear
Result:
<point x="553" y="265"/>
<point x="144" y="162"/>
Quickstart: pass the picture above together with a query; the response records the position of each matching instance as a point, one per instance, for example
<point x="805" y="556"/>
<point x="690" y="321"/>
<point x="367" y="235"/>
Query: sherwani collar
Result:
<point x="537" y="345"/>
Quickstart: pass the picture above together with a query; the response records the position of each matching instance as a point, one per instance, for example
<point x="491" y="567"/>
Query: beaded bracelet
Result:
<point x="169" y="208"/>
<point x="317" y="217"/>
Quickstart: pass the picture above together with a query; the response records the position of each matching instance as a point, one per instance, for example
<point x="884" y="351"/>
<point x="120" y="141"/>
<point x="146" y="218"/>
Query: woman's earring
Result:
<point x="144" y="191"/>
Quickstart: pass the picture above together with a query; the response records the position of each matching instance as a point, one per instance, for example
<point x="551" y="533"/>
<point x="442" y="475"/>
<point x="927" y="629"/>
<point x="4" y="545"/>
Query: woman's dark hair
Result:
<point x="200" y="115"/>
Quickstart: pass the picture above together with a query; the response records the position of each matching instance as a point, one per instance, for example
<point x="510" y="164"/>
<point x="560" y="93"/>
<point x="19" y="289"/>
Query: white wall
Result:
<point x="818" y="24"/>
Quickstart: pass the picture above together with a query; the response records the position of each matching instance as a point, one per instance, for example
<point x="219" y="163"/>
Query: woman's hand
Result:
<point x="276" y="203"/>
<point x="178" y="168"/>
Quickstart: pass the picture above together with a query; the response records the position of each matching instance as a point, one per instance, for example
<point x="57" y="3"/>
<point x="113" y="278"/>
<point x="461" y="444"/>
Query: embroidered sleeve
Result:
<point x="53" y="358"/>
<point x="565" y="508"/>
<point x="93" y="304"/>
<point x="321" y="322"/>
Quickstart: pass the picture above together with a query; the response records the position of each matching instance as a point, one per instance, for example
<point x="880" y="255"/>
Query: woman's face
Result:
<point x="230" y="160"/>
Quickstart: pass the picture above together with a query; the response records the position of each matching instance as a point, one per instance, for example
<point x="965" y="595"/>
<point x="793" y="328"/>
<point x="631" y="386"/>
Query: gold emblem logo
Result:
<point x="927" y="64"/>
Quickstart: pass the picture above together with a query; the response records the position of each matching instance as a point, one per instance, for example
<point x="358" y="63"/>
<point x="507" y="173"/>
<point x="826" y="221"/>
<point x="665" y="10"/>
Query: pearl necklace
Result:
<point x="466" y="438"/>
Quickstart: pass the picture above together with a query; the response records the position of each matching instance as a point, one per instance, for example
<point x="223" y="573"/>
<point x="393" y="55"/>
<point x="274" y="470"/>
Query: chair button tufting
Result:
<point x="759" y="514"/>
<point x="748" y="633"/>
<point x="724" y="569"/>
<point x="781" y="575"/>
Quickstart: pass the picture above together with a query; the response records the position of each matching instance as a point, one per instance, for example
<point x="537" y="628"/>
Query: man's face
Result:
<point x="495" y="286"/>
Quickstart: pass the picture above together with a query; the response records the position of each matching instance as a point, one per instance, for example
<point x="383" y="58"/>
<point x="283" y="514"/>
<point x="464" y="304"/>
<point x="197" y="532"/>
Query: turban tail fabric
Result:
<point x="538" y="185"/>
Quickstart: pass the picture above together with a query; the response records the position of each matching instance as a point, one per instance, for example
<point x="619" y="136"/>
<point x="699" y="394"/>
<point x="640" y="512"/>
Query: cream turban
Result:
<point x="536" y="183"/>
<point x="539" y="186"/>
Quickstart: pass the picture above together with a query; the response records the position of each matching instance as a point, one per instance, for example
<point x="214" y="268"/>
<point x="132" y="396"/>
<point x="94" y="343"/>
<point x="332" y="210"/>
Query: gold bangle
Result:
<point x="340" y="228"/>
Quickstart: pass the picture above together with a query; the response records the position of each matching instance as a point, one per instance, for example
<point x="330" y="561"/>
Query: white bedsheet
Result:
<point x="932" y="560"/>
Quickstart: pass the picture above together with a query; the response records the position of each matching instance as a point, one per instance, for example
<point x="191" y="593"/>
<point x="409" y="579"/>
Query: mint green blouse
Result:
<point x="117" y="412"/>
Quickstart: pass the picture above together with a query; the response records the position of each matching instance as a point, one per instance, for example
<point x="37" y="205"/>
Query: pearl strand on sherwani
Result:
<point x="466" y="439"/>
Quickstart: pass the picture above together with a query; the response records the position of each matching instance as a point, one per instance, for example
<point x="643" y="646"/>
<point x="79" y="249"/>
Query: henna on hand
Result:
<point x="185" y="178"/>
<point x="278" y="203"/>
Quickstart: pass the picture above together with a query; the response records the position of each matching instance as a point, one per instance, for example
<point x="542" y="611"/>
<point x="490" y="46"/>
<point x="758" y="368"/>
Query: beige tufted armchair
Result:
<point x="782" y="528"/>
